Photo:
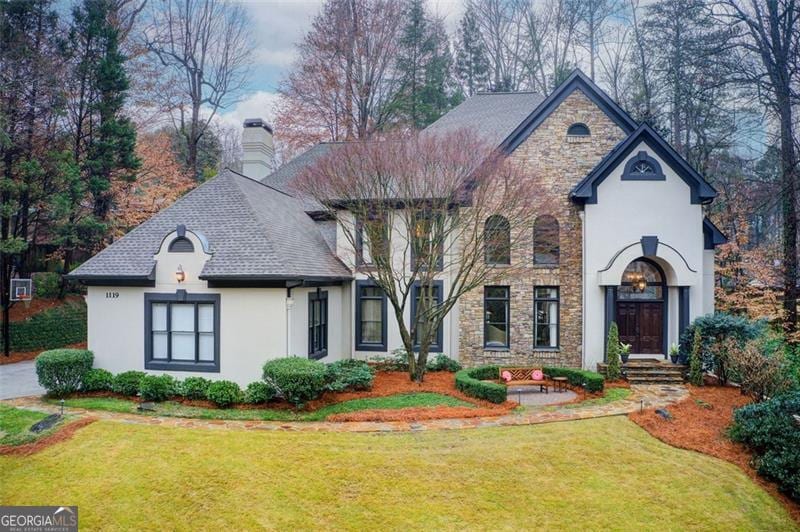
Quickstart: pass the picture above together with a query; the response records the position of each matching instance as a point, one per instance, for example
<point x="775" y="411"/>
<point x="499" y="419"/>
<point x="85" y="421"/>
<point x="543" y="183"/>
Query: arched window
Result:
<point x="642" y="167"/>
<point x="578" y="130"/>
<point x="497" y="240"/>
<point x="545" y="240"/>
<point x="181" y="245"/>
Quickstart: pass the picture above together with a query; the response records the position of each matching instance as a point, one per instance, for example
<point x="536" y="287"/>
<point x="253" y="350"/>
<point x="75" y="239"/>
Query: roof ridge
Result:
<point x="492" y="93"/>
<point x="231" y="170"/>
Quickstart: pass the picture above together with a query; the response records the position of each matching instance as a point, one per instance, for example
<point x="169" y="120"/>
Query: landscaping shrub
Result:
<point x="348" y="375"/>
<point x="397" y="362"/>
<point x="761" y="369"/>
<point x="258" y="392"/>
<point x="224" y="393"/>
<point x="51" y="328"/>
<point x="296" y="379"/>
<point x="443" y="362"/>
<point x="61" y="371"/>
<point x="97" y="380"/>
<point x="614" y="368"/>
<point x="127" y="382"/>
<point x="695" y="361"/>
<point x="769" y="429"/>
<point x="46" y="285"/>
<point x="157" y="387"/>
<point x="589" y="380"/>
<point x="195" y="388"/>
<point x="471" y="381"/>
<point x="714" y="328"/>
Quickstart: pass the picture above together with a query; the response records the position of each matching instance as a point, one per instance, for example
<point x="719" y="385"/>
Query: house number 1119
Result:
<point x="112" y="295"/>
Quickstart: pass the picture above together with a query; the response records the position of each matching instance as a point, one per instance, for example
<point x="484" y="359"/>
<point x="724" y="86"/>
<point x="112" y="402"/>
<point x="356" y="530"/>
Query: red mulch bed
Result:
<point x="60" y="435"/>
<point x="20" y="356"/>
<point x="699" y="424"/>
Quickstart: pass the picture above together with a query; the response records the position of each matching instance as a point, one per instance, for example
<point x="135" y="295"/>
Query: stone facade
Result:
<point x="558" y="163"/>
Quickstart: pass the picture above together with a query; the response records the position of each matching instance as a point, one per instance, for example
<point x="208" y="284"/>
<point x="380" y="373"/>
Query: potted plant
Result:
<point x="624" y="352"/>
<point x="673" y="353"/>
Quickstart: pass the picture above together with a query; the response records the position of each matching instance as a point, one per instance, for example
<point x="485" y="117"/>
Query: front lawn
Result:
<point x="14" y="425"/>
<point x="596" y="474"/>
<point x="175" y="409"/>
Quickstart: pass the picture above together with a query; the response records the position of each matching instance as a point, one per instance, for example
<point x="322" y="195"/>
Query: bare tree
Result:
<point x="500" y="31"/>
<point x="767" y="39"/>
<point x="206" y="46"/>
<point x="415" y="208"/>
<point x="595" y="15"/>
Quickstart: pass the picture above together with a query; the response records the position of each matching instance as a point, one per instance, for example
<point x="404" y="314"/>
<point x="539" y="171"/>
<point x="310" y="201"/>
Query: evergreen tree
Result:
<point x="696" y="361"/>
<point x="613" y="369"/>
<point x="472" y="65"/>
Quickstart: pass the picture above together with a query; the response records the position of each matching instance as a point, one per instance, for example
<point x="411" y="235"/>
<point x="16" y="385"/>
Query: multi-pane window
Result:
<point x="370" y="317"/>
<point x="545" y="315"/>
<point x="545" y="241"/>
<point x="436" y="295"/>
<point x="496" y="308"/>
<point x="182" y="332"/>
<point x="371" y="239"/>
<point x="497" y="240"/>
<point x="317" y="324"/>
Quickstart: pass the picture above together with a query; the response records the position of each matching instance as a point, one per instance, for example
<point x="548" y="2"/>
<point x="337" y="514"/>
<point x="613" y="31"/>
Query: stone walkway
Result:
<point x="642" y="396"/>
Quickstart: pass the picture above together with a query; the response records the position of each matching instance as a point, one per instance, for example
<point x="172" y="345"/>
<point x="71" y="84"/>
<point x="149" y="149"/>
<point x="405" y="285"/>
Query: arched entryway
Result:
<point x="641" y="307"/>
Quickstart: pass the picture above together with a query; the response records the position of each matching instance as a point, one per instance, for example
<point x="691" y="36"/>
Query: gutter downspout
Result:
<point x="289" y="305"/>
<point x="582" y="216"/>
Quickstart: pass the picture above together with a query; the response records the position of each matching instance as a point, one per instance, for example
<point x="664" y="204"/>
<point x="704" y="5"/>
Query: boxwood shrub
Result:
<point x="51" y="328"/>
<point x="61" y="371"/>
<point x="258" y="392"/>
<point x="157" y="387"/>
<point x="589" y="380"/>
<point x="97" y="380"/>
<point x="769" y="429"/>
<point x="348" y="375"/>
<point x="195" y="387"/>
<point x="442" y="362"/>
<point x="471" y="382"/>
<point x="127" y="382"/>
<point x="296" y="379"/>
<point x="224" y="393"/>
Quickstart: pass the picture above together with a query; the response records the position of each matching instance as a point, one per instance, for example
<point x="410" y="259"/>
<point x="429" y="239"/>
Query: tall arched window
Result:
<point x="545" y="240"/>
<point x="497" y="240"/>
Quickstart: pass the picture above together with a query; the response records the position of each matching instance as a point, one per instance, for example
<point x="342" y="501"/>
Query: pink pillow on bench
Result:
<point x="538" y="375"/>
<point x="506" y="376"/>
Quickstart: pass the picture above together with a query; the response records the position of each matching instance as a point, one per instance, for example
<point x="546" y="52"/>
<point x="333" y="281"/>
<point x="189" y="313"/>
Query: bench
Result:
<point x="523" y="377"/>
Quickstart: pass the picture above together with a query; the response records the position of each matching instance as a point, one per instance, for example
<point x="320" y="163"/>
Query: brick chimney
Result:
<point x="259" y="155"/>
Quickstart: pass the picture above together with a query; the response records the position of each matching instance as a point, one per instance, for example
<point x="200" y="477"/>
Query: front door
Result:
<point x="641" y="325"/>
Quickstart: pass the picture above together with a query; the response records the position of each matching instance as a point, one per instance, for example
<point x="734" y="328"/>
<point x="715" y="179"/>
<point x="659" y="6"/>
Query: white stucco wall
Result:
<point x="625" y="211"/>
<point x="253" y="326"/>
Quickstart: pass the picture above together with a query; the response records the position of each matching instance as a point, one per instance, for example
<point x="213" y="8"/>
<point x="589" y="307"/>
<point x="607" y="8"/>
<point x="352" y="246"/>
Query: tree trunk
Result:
<point x="789" y="208"/>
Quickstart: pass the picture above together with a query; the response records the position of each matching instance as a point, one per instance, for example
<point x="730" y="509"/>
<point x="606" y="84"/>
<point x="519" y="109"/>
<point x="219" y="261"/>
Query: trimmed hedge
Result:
<point x="471" y="382"/>
<point x="224" y="393"/>
<point x="344" y="375"/>
<point x="97" y="380"/>
<point x="589" y="380"/>
<point x="296" y="379"/>
<point x="258" y="392"/>
<point x="127" y="382"/>
<point x="195" y="387"/>
<point x="157" y="387"/>
<point x="61" y="371"/>
<point x="51" y="328"/>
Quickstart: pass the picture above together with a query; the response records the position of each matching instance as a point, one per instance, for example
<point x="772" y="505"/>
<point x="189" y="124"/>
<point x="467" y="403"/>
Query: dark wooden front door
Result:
<point x="641" y="324"/>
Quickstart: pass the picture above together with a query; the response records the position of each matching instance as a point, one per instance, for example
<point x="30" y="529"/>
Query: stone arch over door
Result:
<point x="678" y="271"/>
<point x="641" y="307"/>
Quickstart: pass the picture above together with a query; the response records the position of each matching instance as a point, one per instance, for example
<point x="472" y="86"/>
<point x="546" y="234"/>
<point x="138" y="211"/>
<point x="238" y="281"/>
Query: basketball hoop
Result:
<point x="22" y="290"/>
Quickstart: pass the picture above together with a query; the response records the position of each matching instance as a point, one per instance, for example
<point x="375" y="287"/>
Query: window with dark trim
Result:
<point x="371" y="236"/>
<point x="578" y="130"/>
<point x="182" y="332"/>
<point x="642" y="167"/>
<point x="546" y="248"/>
<point x="181" y="244"/>
<point x="497" y="314"/>
<point x="370" y="317"/>
<point x="497" y="240"/>
<point x="427" y="240"/>
<point x="317" y="324"/>
<point x="545" y="317"/>
<point x="438" y="286"/>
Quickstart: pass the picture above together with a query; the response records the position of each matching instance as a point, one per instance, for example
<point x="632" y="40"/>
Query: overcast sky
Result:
<point x="277" y="26"/>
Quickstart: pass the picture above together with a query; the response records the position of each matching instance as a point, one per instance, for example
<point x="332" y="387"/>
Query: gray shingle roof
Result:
<point x="492" y="115"/>
<point x="282" y="177"/>
<point x="253" y="230"/>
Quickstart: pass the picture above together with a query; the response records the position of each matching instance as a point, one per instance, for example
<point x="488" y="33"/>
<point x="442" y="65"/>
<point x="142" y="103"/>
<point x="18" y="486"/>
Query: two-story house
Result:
<point x="241" y="270"/>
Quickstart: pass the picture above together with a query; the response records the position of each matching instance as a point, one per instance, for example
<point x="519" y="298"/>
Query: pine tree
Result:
<point x="613" y="369"/>
<point x="472" y="65"/>
<point x="696" y="361"/>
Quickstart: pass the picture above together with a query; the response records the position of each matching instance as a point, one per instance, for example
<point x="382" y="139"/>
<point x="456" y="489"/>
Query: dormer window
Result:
<point x="181" y="245"/>
<point x="578" y="132"/>
<point x="643" y="168"/>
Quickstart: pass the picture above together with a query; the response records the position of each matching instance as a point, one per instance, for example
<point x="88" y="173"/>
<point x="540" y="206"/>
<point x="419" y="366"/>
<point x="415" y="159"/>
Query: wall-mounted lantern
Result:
<point x="180" y="275"/>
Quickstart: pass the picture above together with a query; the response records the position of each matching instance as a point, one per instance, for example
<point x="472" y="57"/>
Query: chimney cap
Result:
<point x="257" y="122"/>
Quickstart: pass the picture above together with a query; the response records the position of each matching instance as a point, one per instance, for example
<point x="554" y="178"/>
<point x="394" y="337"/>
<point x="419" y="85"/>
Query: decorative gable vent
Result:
<point x="578" y="132"/>
<point x="181" y="245"/>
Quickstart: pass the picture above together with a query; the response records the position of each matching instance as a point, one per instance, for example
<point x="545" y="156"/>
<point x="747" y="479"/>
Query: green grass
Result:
<point x="610" y="395"/>
<point x="171" y="408"/>
<point x="598" y="474"/>
<point x="14" y="425"/>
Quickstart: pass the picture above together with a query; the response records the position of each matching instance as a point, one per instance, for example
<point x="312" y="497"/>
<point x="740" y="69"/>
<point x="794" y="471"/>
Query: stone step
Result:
<point x="655" y="379"/>
<point x="653" y="371"/>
